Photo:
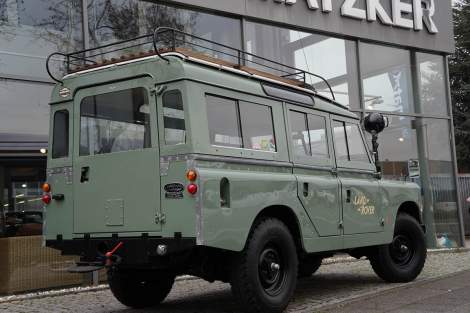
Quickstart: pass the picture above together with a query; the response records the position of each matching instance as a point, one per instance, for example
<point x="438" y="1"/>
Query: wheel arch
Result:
<point x="411" y="208"/>
<point x="288" y="217"/>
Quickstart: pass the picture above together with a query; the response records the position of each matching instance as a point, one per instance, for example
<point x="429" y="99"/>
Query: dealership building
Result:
<point x="387" y="56"/>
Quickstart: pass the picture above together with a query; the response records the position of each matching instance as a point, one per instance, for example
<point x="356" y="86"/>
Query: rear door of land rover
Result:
<point x="116" y="159"/>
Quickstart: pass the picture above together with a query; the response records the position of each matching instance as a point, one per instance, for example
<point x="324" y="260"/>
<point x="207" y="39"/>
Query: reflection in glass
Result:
<point x="432" y="84"/>
<point x="111" y="21"/>
<point x="257" y="127"/>
<point x="398" y="152"/>
<point x="318" y="139"/>
<point x="19" y="102"/>
<point x="341" y="148"/>
<point x="330" y="57"/>
<point x="223" y="123"/>
<point x="386" y="78"/>
<point x="33" y="29"/>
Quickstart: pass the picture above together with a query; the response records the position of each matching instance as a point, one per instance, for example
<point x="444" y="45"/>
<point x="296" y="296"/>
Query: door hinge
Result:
<point x="160" y="218"/>
<point x="340" y="225"/>
<point x="382" y="222"/>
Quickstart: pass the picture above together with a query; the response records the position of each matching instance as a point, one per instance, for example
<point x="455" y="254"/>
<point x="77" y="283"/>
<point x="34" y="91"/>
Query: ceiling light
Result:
<point x="43" y="150"/>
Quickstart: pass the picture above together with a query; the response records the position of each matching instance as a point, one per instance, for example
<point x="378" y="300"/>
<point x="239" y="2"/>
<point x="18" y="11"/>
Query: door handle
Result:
<point x="85" y="174"/>
<point x="348" y="196"/>
<point x="305" y="189"/>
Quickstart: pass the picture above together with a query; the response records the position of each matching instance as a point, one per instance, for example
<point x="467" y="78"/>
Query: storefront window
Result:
<point x="24" y="111"/>
<point x="332" y="58"/>
<point x="432" y="84"/>
<point x="386" y="78"/>
<point x="441" y="171"/>
<point x="22" y="207"/>
<point x="398" y="152"/>
<point x="32" y="30"/>
<point x="111" y="21"/>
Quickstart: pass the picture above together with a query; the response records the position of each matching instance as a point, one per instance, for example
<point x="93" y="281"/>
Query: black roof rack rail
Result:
<point x="167" y="39"/>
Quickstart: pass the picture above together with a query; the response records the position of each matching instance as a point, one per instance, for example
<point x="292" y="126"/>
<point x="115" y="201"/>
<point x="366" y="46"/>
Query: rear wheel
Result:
<point x="403" y="259"/>
<point x="138" y="289"/>
<point x="265" y="274"/>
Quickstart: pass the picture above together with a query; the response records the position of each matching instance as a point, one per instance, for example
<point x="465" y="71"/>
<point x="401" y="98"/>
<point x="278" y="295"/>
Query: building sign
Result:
<point x="421" y="12"/>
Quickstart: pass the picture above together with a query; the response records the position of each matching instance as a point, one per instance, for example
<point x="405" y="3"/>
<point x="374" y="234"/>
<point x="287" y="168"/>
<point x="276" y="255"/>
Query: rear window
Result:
<point x="115" y="122"/>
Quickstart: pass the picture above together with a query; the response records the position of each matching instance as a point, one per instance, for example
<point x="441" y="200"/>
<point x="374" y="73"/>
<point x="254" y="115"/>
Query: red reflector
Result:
<point x="46" y="199"/>
<point x="192" y="188"/>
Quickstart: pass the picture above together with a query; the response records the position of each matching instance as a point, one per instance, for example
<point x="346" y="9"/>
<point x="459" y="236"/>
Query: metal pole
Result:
<point x="454" y="155"/>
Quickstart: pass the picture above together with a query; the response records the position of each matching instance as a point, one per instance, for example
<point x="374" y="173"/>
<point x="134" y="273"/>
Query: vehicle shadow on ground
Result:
<point x="310" y="292"/>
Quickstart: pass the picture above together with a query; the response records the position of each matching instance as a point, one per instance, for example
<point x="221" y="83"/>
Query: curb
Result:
<point x="327" y="261"/>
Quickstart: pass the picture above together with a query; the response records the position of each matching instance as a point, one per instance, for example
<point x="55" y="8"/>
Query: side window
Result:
<point x="308" y="134"/>
<point x="173" y="118"/>
<point x="60" y="135"/>
<point x="348" y="142"/>
<point x="115" y="122"/>
<point x="257" y="127"/>
<point x="228" y="119"/>
<point x="223" y="117"/>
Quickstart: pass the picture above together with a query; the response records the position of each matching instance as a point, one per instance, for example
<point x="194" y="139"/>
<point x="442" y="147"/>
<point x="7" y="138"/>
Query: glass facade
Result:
<point x="408" y="86"/>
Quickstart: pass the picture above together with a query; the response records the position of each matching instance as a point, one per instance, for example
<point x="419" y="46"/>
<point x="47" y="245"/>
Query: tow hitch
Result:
<point x="109" y="259"/>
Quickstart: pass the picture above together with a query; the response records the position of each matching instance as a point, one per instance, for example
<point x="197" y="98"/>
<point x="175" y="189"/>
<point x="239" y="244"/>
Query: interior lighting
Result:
<point x="43" y="150"/>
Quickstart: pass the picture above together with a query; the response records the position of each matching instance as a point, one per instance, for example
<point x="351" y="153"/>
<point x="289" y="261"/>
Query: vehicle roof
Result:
<point x="204" y="69"/>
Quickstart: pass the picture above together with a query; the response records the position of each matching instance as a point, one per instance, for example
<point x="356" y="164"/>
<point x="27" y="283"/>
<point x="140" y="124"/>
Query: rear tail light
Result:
<point x="191" y="175"/>
<point x="46" y="199"/>
<point x="192" y="188"/>
<point x="46" y="187"/>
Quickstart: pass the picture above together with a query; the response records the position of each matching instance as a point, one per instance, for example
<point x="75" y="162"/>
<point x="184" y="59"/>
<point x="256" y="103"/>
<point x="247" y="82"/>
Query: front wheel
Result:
<point x="139" y="289"/>
<point x="264" y="276"/>
<point x="402" y="260"/>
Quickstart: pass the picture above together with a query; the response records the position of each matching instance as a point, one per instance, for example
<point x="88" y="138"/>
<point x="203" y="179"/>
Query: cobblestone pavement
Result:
<point x="333" y="284"/>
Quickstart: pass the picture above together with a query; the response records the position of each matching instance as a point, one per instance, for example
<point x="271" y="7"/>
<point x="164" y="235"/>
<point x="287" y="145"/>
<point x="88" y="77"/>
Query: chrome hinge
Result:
<point x="160" y="218"/>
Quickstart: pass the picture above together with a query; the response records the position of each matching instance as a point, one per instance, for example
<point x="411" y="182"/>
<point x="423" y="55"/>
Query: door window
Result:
<point x="257" y="127"/>
<point x="173" y="118"/>
<point x="115" y="122"/>
<point x="60" y="135"/>
<point x="224" y="127"/>
<point x="349" y="143"/>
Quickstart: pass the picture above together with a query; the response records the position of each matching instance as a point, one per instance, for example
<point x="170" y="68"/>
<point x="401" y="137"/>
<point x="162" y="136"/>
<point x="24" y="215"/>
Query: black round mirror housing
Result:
<point x="375" y="123"/>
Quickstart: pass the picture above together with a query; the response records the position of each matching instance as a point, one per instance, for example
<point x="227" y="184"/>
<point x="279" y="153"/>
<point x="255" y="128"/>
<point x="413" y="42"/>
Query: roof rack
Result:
<point x="166" y="39"/>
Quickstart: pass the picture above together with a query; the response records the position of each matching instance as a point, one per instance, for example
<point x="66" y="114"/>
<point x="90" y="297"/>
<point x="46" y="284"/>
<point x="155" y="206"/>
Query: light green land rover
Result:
<point x="173" y="162"/>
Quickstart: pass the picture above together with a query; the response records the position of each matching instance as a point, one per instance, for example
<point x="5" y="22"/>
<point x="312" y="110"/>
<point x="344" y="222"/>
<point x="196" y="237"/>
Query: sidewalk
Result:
<point x="450" y="294"/>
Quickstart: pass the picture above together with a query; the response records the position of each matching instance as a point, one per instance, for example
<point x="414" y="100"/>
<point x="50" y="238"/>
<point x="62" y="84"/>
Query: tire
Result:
<point x="140" y="289"/>
<point x="308" y="266"/>
<point x="264" y="275"/>
<point x="402" y="260"/>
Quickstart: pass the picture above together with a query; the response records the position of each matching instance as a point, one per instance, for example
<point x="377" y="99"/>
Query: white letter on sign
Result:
<point x="424" y="14"/>
<point x="374" y="9"/>
<point x="348" y="9"/>
<point x="398" y="8"/>
<point x="325" y="4"/>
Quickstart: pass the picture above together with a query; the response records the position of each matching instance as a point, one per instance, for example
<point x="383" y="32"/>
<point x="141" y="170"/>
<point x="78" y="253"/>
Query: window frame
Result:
<point x="357" y="165"/>
<point x="310" y="160"/>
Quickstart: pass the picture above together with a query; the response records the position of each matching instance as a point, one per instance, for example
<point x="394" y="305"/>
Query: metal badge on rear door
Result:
<point x="174" y="191"/>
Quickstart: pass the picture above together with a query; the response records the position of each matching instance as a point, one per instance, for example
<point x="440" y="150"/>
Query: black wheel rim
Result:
<point x="271" y="270"/>
<point x="402" y="250"/>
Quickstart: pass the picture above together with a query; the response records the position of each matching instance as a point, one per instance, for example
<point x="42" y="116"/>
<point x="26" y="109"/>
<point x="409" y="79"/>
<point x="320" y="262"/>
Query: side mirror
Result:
<point x="375" y="123"/>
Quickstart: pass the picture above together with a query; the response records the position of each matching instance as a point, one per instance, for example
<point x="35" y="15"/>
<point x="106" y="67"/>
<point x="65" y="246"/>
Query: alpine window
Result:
<point x="60" y="135"/>
<point x="173" y="118"/>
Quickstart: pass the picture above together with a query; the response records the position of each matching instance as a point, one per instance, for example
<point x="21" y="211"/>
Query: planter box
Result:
<point x="25" y="265"/>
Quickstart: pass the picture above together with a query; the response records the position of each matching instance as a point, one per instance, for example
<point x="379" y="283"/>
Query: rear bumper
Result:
<point x="134" y="250"/>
